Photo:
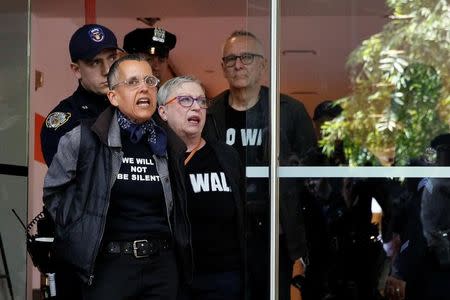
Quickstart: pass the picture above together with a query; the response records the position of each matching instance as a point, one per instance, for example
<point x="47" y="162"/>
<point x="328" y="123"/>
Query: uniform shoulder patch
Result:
<point x="56" y="119"/>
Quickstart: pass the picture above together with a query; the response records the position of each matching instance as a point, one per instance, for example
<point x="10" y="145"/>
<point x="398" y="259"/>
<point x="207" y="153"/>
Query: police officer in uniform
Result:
<point x="157" y="43"/>
<point x="93" y="49"/>
<point x="434" y="216"/>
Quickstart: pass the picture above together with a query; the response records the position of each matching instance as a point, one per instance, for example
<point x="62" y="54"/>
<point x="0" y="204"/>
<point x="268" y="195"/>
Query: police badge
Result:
<point x="159" y="35"/>
<point x="96" y="34"/>
<point x="56" y="119"/>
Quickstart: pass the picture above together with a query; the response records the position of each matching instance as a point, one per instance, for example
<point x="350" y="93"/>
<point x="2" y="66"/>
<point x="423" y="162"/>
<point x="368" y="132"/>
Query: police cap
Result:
<point x="153" y="41"/>
<point x="441" y="140"/>
<point x="89" y="40"/>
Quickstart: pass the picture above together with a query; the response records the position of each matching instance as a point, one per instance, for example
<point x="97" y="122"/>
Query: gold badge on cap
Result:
<point x="56" y="119"/>
<point x="159" y="35"/>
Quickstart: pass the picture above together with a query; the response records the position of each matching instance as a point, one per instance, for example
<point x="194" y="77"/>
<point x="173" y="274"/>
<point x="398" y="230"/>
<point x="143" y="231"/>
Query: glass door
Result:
<point x="14" y="32"/>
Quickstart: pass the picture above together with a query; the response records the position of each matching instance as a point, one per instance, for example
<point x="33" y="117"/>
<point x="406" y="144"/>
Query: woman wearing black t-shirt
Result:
<point x="213" y="191"/>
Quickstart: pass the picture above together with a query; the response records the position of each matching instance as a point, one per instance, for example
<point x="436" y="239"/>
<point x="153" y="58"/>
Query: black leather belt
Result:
<point x="138" y="248"/>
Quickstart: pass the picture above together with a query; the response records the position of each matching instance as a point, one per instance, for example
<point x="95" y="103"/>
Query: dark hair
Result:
<point x="112" y="74"/>
<point x="328" y="109"/>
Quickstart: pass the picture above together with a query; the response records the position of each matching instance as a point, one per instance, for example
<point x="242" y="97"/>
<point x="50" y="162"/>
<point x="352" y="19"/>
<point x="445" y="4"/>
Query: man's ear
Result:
<point x="264" y="64"/>
<point x="112" y="97"/>
<point x="75" y="67"/>
<point x="162" y="112"/>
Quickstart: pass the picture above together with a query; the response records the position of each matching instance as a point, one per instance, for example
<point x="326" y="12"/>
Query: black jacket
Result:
<point x="297" y="137"/>
<point x="229" y="161"/>
<point x="77" y="192"/>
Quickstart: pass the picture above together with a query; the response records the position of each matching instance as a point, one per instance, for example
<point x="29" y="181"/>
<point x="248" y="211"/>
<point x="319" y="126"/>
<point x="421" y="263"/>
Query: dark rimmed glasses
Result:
<point x="149" y="80"/>
<point x="245" y="58"/>
<point x="188" y="101"/>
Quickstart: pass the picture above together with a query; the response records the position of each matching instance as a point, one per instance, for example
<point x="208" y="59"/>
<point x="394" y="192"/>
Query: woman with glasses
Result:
<point x="214" y="187"/>
<point x="117" y="200"/>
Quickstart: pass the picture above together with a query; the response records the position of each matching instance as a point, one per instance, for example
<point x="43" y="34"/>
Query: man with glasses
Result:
<point x="156" y="43"/>
<point x="240" y="117"/>
<point x="93" y="49"/>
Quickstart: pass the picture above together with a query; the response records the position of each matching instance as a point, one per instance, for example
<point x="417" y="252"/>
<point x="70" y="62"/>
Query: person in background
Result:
<point x="155" y="42"/>
<point x="240" y="117"/>
<point x="93" y="49"/>
<point x="409" y="258"/>
<point x="435" y="218"/>
<point x="325" y="111"/>
<point x="116" y="197"/>
<point x="214" y="186"/>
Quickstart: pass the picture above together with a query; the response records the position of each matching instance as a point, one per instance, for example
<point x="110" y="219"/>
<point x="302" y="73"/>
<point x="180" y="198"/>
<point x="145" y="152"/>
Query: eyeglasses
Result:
<point x="149" y="80"/>
<point x="246" y="59"/>
<point x="188" y="101"/>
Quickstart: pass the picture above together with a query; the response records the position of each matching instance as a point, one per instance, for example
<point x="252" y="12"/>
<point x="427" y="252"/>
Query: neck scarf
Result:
<point x="156" y="136"/>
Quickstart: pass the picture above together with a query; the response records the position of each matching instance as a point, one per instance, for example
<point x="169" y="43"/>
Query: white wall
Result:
<point x="49" y="54"/>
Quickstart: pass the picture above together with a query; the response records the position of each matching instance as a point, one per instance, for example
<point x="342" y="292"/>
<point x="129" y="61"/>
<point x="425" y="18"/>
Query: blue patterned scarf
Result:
<point x="156" y="136"/>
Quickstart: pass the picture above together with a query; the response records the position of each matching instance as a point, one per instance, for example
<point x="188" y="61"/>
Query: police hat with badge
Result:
<point x="153" y="41"/>
<point x="89" y="40"/>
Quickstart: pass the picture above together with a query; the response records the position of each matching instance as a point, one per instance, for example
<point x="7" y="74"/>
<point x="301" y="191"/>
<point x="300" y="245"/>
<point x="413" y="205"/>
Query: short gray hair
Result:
<point x="246" y="34"/>
<point x="169" y="86"/>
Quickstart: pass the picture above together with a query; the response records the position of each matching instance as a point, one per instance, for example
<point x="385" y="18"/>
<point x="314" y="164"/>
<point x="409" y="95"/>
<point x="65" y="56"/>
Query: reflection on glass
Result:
<point x="399" y="95"/>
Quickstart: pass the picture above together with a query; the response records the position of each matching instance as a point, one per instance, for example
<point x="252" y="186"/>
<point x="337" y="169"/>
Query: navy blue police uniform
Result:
<point x="82" y="104"/>
<point x="434" y="216"/>
<point x="85" y="44"/>
<point x="87" y="41"/>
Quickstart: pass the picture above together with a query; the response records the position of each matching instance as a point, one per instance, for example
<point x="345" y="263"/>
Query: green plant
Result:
<point x="400" y="87"/>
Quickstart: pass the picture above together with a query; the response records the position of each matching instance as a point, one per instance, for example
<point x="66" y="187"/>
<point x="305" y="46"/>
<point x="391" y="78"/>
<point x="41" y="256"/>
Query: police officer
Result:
<point x="157" y="43"/>
<point x="410" y="251"/>
<point x="436" y="225"/>
<point x="93" y="49"/>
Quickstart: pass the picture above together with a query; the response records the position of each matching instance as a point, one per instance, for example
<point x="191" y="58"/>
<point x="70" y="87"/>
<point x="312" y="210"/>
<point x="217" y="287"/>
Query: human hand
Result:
<point x="395" y="288"/>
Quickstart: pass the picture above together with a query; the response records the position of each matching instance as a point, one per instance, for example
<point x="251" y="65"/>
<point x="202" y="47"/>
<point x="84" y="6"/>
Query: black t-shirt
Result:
<point x="244" y="131"/>
<point x="137" y="207"/>
<point x="244" y="134"/>
<point x="212" y="213"/>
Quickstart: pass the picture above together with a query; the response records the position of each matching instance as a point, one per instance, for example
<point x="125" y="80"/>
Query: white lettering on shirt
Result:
<point x="251" y="137"/>
<point x="209" y="182"/>
<point x="231" y="136"/>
